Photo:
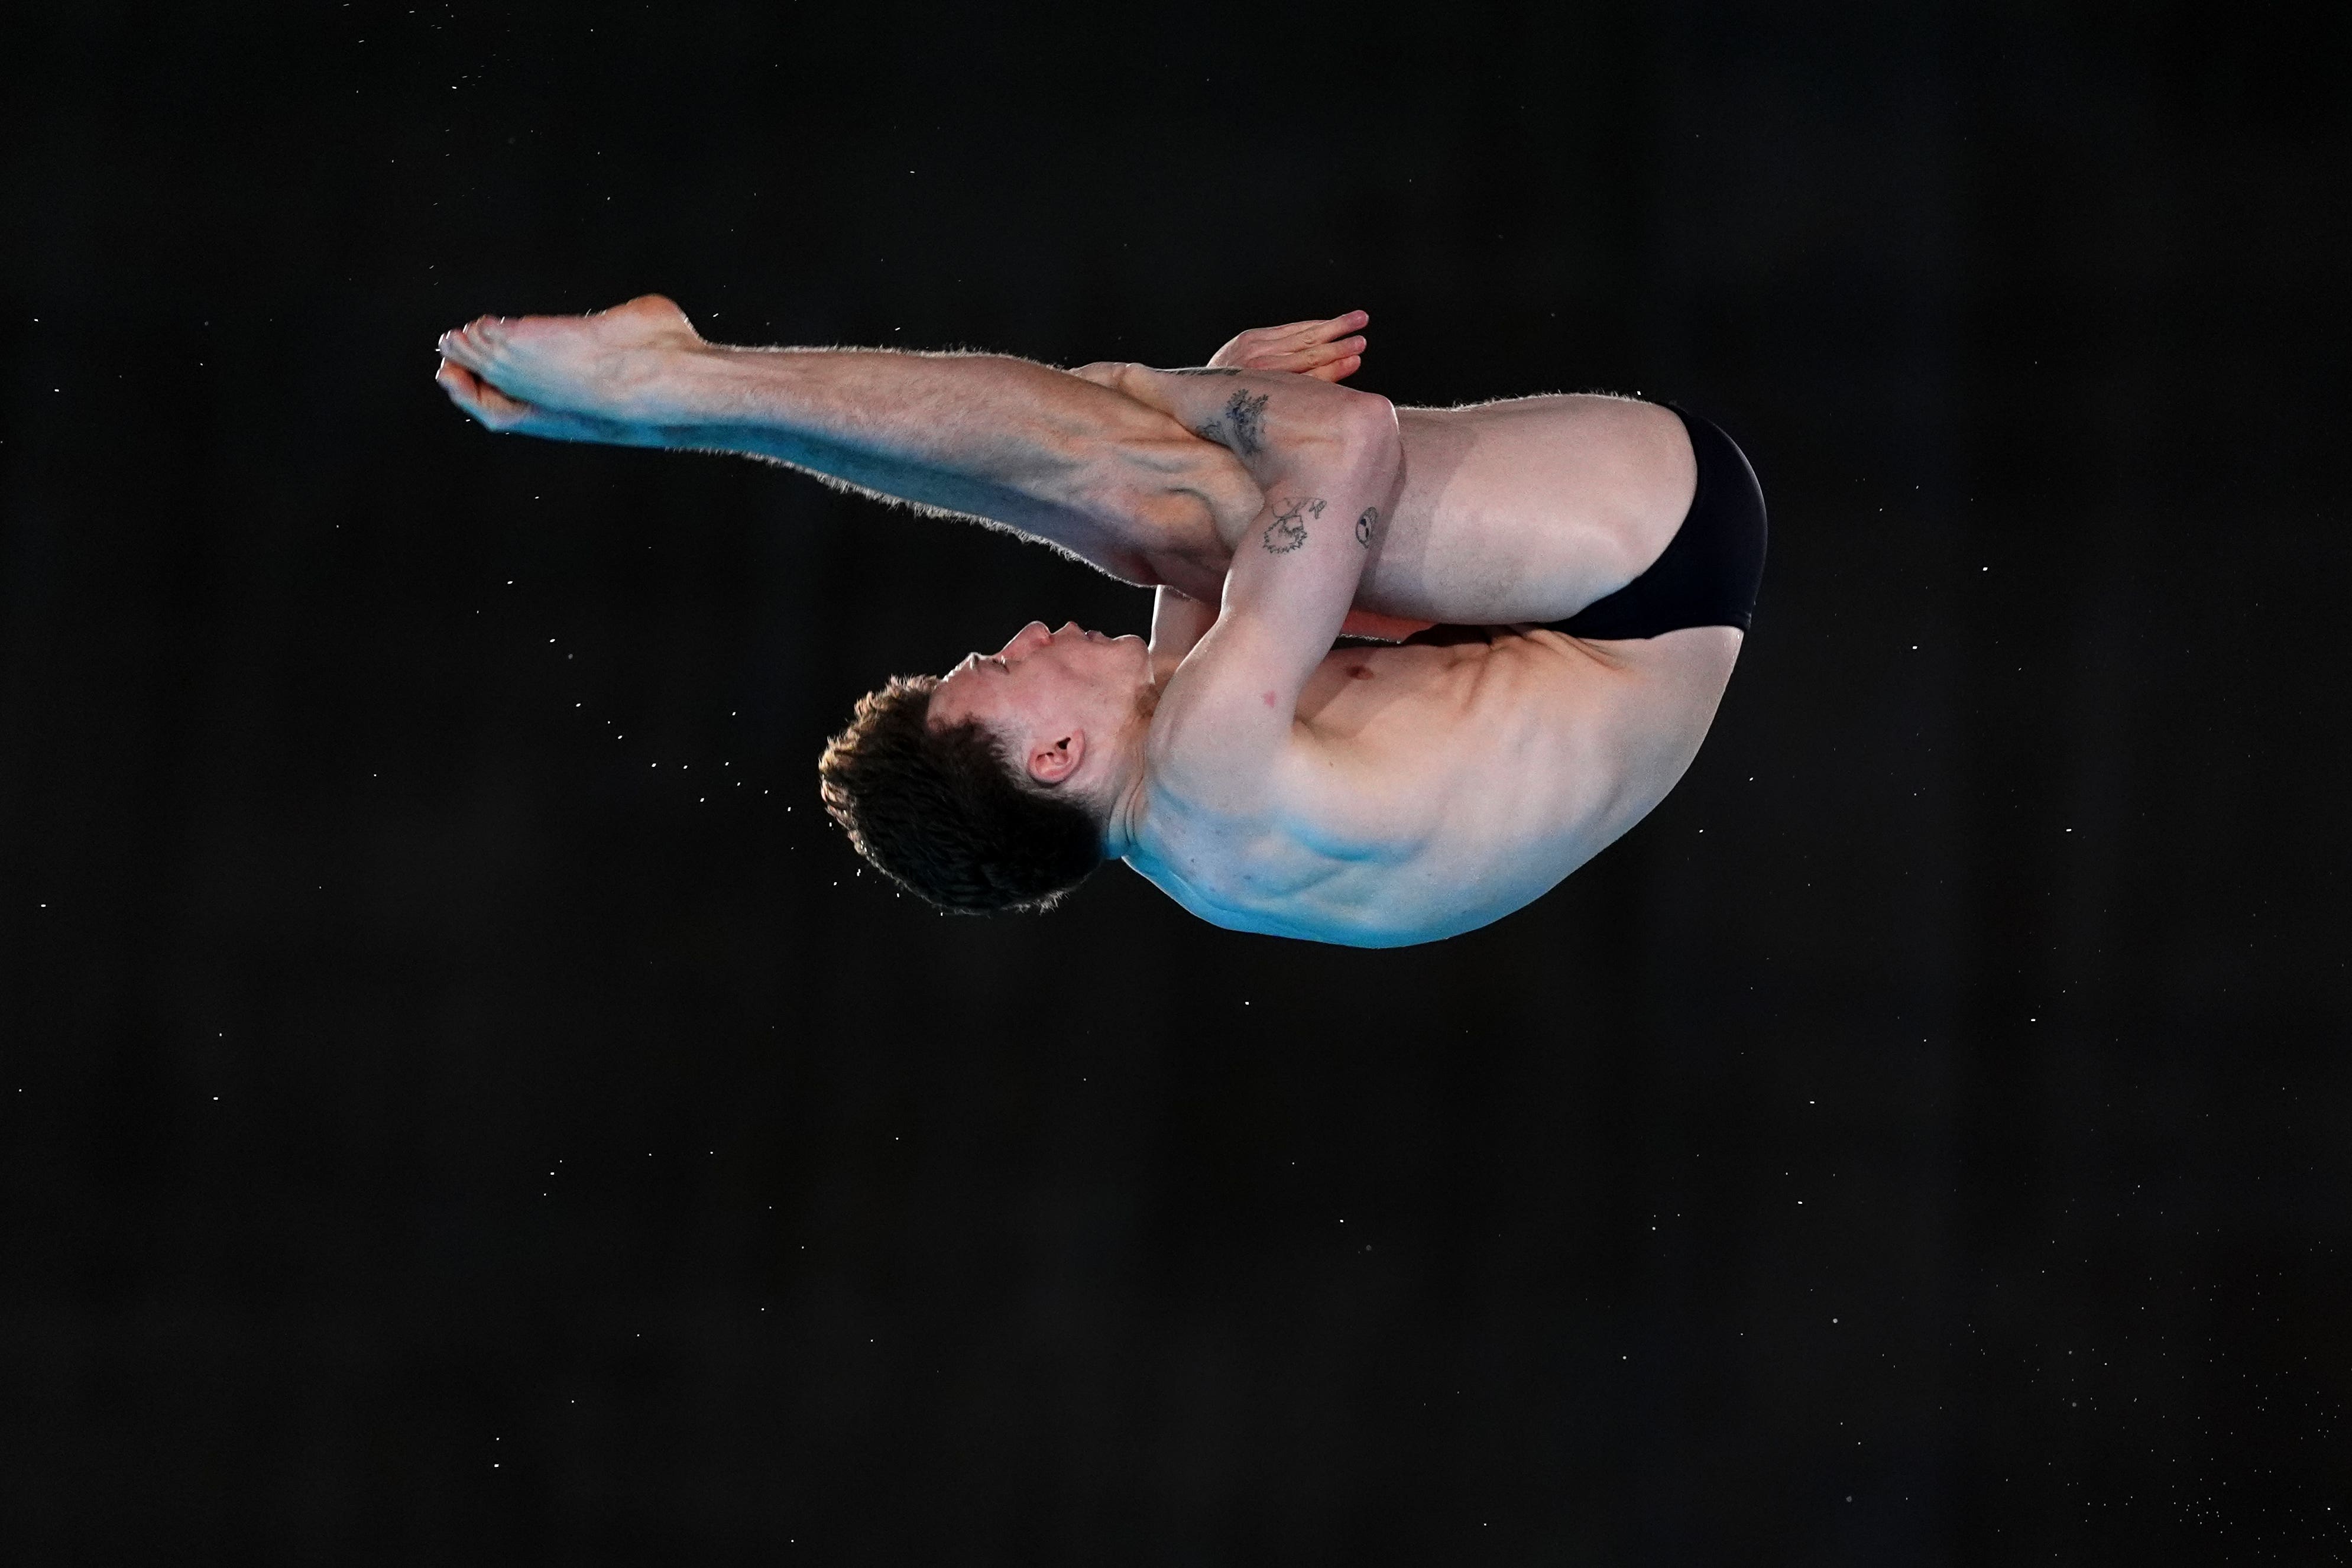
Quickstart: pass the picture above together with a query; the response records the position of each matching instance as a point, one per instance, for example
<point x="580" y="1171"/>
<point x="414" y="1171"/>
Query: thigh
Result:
<point x="1531" y="509"/>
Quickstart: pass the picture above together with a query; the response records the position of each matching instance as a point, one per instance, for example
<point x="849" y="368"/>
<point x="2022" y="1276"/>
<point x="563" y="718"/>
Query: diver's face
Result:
<point x="1069" y="679"/>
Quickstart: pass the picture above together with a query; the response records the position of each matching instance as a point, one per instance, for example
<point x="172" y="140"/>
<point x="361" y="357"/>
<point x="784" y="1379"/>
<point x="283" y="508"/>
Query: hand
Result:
<point x="1320" y="349"/>
<point x="571" y="377"/>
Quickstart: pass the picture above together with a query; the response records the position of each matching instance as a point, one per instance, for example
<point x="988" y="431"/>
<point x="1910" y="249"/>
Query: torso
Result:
<point x="1436" y="789"/>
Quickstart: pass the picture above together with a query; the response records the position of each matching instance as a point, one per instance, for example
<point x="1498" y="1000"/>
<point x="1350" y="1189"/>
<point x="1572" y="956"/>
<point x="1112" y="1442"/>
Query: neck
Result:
<point x="1120" y="828"/>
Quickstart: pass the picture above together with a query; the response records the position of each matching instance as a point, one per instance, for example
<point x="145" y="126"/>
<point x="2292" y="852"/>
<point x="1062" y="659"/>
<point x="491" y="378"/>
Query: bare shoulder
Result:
<point x="1229" y="865"/>
<point x="1237" y="854"/>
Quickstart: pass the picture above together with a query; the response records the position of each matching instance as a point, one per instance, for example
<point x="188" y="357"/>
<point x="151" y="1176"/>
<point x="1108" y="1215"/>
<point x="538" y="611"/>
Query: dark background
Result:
<point x="459" y="1102"/>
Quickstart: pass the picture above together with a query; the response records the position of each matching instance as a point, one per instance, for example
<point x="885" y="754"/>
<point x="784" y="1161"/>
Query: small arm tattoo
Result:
<point x="1287" y="532"/>
<point x="1205" y="370"/>
<point x="1247" y="416"/>
<point x="1365" y="524"/>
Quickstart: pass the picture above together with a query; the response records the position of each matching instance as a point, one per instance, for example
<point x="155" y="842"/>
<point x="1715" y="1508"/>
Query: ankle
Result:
<point x="662" y="385"/>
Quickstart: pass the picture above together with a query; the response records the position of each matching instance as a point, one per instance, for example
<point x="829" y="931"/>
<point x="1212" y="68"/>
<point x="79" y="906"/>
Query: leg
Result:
<point x="1530" y="510"/>
<point x="1053" y="457"/>
<point x="1515" y="512"/>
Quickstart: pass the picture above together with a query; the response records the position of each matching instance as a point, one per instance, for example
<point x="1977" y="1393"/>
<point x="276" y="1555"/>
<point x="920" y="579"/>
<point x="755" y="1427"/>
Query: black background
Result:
<point x="462" y="1104"/>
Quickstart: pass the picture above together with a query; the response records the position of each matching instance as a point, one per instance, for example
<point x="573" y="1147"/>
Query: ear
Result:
<point x="1050" y="763"/>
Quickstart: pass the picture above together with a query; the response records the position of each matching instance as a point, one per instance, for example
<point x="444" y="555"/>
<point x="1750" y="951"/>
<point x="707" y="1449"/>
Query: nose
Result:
<point x="1028" y="639"/>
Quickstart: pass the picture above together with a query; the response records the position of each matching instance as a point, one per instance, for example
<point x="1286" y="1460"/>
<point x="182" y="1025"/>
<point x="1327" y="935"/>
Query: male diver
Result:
<point x="1567" y="580"/>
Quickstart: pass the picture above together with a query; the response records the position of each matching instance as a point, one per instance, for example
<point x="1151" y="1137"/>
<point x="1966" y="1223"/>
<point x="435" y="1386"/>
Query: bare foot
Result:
<point x="500" y="413"/>
<point x="573" y="377"/>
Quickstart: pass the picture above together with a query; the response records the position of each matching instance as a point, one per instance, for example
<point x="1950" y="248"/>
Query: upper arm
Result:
<point x="1179" y="621"/>
<point x="1326" y="460"/>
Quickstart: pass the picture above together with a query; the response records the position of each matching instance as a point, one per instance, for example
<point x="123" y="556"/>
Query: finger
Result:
<point x="1299" y="360"/>
<point x="1338" y="369"/>
<point x="1321" y="330"/>
<point x="1324" y="332"/>
<point x="1322" y="351"/>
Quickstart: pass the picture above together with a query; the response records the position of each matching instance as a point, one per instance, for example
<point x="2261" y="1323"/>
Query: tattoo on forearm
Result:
<point x="1247" y="416"/>
<point x="1205" y="370"/>
<point x="1287" y="532"/>
<point x="1365" y="524"/>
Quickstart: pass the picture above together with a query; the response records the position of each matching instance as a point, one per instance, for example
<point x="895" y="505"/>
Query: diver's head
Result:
<point x="993" y="788"/>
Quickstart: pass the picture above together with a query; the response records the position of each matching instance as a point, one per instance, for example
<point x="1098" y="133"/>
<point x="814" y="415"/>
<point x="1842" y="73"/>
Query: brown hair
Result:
<point x="943" y="813"/>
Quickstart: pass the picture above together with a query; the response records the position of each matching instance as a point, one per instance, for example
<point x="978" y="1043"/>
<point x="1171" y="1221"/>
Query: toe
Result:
<point x="464" y="387"/>
<point x="480" y="398"/>
<point x="461" y="349"/>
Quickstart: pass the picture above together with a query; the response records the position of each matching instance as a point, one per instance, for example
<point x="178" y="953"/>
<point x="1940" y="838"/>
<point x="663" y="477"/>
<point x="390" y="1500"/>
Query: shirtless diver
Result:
<point x="1563" y="583"/>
